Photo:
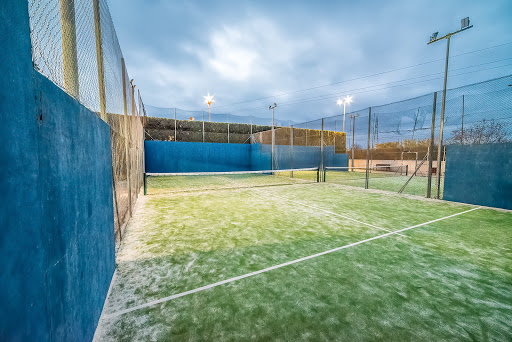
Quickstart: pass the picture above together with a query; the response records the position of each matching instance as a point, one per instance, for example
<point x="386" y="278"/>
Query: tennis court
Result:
<point x="267" y="256"/>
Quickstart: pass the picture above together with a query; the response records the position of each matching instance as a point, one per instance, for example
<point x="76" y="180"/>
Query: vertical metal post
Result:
<point x="366" y="183"/>
<point x="99" y="59"/>
<point x="203" y="125"/>
<point x="251" y="123"/>
<point x="334" y="136"/>
<point x="306" y="133"/>
<point x="228" y="128"/>
<point x="441" y="126"/>
<point x="69" y="53"/>
<point x="353" y="139"/>
<point x="322" y="150"/>
<point x="462" y="129"/>
<point x="291" y="150"/>
<point x="126" y="136"/>
<point x="175" y="136"/>
<point x="431" y="147"/>
<point x="273" y="140"/>
<point x="145" y="183"/>
<point x="401" y="161"/>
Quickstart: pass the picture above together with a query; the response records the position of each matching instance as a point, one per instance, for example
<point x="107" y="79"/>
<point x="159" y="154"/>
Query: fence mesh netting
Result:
<point x="75" y="45"/>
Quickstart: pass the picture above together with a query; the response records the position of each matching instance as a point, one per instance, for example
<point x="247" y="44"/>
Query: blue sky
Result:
<point x="177" y="51"/>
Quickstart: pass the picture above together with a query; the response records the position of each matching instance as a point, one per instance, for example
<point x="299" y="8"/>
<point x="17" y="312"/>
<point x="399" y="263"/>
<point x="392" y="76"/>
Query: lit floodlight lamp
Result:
<point x="348" y="99"/>
<point x="339" y="102"/>
<point x="208" y="99"/>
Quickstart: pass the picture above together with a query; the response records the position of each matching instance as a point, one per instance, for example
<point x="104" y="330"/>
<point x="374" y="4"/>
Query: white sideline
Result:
<point x="230" y="280"/>
<point x="330" y="212"/>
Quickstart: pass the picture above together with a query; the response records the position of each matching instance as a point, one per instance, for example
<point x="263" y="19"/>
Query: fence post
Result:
<point x="366" y="183"/>
<point x="322" y="150"/>
<point x="175" y="136"/>
<point x="431" y="147"/>
<point x="291" y="150"/>
<point x="440" y="149"/>
<point x="306" y="133"/>
<point x="203" y="125"/>
<point x="228" y="128"/>
<point x="69" y="53"/>
<point x="99" y="59"/>
<point x="126" y="137"/>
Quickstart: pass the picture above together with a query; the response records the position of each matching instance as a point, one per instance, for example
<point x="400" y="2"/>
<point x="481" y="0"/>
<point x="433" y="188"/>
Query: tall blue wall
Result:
<point x="56" y="217"/>
<point x="479" y="174"/>
<point x="171" y="156"/>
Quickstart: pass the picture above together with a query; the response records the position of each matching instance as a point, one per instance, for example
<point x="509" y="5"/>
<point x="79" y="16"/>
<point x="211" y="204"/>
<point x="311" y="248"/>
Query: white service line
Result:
<point x="230" y="280"/>
<point x="329" y="212"/>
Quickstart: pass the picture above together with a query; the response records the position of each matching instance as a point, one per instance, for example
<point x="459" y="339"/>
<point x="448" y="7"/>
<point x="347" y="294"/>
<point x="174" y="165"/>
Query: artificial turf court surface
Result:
<point x="447" y="280"/>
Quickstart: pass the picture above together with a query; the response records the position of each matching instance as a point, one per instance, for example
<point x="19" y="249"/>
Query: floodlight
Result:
<point x="464" y="23"/>
<point x="433" y="36"/>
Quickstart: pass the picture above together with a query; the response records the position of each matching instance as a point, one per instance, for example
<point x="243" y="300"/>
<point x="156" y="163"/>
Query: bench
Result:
<point x="383" y="167"/>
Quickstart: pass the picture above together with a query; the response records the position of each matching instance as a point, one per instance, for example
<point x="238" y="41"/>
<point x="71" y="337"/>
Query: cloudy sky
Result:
<point x="303" y="55"/>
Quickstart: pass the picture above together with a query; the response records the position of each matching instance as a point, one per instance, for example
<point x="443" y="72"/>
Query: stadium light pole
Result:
<point x="464" y="25"/>
<point x="208" y="99"/>
<point x="353" y="117"/>
<point x="273" y="135"/>
<point x="344" y="102"/>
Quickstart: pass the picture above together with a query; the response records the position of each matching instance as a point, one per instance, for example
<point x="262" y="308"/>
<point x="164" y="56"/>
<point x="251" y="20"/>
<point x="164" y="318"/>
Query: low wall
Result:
<point x="423" y="171"/>
<point x="479" y="174"/>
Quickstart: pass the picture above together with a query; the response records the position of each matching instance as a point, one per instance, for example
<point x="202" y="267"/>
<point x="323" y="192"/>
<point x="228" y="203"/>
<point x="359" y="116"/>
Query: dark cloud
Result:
<point x="244" y="50"/>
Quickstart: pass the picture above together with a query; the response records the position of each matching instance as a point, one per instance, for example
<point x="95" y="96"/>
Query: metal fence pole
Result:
<point x="291" y="150"/>
<point x="322" y="151"/>
<point x="99" y="59"/>
<point x="126" y="137"/>
<point x="366" y="183"/>
<point x="69" y="53"/>
<point x="175" y="136"/>
<point x="203" y="125"/>
<point x="431" y="147"/>
<point x="228" y="128"/>
<point x="306" y="133"/>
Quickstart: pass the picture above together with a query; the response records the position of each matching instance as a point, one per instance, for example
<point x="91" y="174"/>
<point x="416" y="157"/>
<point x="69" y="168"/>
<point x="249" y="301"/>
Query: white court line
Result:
<point x="230" y="280"/>
<point x="329" y="212"/>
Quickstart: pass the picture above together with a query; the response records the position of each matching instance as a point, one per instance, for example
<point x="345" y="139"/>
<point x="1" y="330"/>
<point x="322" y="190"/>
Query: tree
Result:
<point x="483" y="132"/>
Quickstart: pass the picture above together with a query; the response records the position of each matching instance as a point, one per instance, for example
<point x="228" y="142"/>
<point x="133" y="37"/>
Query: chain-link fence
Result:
<point x="396" y="147"/>
<point x="75" y="45"/>
<point x="173" y="124"/>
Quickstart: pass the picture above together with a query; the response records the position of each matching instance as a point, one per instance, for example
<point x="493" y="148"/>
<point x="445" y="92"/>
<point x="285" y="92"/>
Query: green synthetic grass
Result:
<point x="449" y="280"/>
<point x="168" y="184"/>
<point x="382" y="181"/>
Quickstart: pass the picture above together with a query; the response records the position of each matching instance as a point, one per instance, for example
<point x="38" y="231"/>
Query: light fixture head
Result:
<point x="433" y="36"/>
<point x="348" y="99"/>
<point x="339" y="102"/>
<point x="208" y="99"/>
<point x="464" y="23"/>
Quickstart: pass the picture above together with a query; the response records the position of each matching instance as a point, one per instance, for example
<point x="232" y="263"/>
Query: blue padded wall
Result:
<point x="479" y="174"/>
<point x="56" y="218"/>
<point x="173" y="156"/>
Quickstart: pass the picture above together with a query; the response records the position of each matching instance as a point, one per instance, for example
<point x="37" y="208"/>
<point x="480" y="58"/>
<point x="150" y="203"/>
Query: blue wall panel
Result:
<point x="56" y="216"/>
<point x="23" y="306"/>
<point x="479" y="174"/>
<point x="172" y="156"/>
<point x="76" y="180"/>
